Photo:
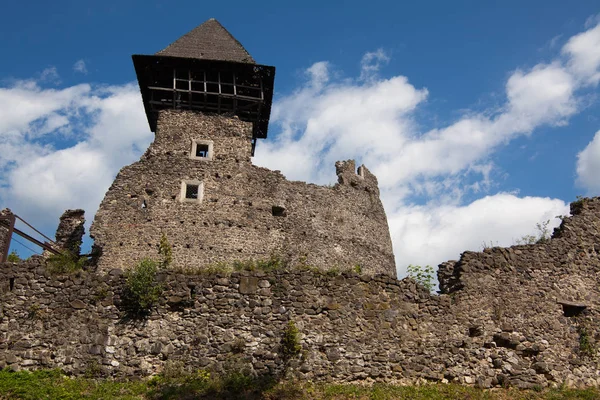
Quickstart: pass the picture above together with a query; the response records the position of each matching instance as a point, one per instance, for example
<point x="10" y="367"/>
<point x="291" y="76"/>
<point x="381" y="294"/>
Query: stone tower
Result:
<point x="208" y="102"/>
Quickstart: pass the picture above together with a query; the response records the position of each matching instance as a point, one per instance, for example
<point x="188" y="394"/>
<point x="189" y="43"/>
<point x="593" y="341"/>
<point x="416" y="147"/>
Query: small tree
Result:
<point x="13" y="257"/>
<point x="165" y="251"/>
<point x="423" y="275"/>
<point x="290" y="342"/>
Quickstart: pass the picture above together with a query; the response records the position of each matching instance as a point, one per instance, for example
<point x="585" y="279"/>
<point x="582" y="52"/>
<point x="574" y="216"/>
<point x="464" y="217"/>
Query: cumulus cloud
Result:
<point x="373" y="121"/>
<point x="80" y="67"/>
<point x="62" y="148"/>
<point x="588" y="166"/>
<point x="428" y="234"/>
<point x="584" y="52"/>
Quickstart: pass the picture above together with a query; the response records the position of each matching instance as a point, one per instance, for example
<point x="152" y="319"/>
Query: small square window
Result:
<point x="201" y="150"/>
<point x="191" y="192"/>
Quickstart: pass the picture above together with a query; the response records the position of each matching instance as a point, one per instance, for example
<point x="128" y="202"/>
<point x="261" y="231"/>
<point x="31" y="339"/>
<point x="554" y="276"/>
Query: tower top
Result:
<point x="208" y="41"/>
<point x="207" y="70"/>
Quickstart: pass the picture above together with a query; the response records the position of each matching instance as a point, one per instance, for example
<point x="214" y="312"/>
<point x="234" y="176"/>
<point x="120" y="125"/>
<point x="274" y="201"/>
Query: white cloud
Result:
<point x="107" y="125"/>
<point x="50" y="75"/>
<point x="371" y="63"/>
<point x="372" y="120"/>
<point x="80" y="66"/>
<point x="588" y="166"/>
<point x="584" y="52"/>
<point x="429" y="234"/>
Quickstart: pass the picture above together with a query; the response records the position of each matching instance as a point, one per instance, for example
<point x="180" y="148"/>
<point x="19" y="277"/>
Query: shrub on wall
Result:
<point x="165" y="251"/>
<point x="65" y="262"/>
<point x="141" y="291"/>
<point x="13" y="257"/>
<point x="290" y="342"/>
<point x="423" y="275"/>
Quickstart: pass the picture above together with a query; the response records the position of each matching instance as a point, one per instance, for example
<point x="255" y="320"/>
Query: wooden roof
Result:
<point x="209" y="41"/>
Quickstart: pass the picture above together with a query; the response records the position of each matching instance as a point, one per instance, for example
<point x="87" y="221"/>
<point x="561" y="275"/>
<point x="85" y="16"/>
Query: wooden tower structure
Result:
<point x="207" y="70"/>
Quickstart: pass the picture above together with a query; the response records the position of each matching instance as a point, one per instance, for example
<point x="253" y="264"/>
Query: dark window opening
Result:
<point x="278" y="211"/>
<point x="475" y="331"/>
<point x="11" y="284"/>
<point x="191" y="191"/>
<point x="572" y="309"/>
<point x="202" y="150"/>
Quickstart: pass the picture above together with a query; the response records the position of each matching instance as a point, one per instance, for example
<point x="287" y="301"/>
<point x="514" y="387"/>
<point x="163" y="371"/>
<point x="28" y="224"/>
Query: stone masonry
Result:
<point x="241" y="211"/>
<point x="525" y="316"/>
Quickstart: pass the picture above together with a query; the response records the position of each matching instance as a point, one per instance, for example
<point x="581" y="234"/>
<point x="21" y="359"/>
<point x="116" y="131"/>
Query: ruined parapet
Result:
<point x="7" y="222"/>
<point x="349" y="175"/>
<point x="70" y="230"/>
<point x="448" y="276"/>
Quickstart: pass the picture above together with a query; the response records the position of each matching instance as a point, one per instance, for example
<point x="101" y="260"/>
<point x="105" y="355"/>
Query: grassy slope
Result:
<point x="52" y="384"/>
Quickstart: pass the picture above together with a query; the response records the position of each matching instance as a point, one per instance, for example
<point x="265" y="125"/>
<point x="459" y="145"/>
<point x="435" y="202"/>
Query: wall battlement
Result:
<point x="240" y="211"/>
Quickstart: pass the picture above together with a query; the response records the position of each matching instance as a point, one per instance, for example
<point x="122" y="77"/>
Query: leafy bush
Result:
<point x="13" y="257"/>
<point x="141" y="291"/>
<point x="423" y="275"/>
<point x="65" y="262"/>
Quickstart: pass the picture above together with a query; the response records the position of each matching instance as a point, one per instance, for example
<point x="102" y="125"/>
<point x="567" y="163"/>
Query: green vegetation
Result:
<point x="53" y="384"/>
<point x="165" y="251"/>
<point x="542" y="236"/>
<point x="13" y="257"/>
<point x="141" y="291"/>
<point x="290" y="342"/>
<point x="175" y="383"/>
<point x="423" y="275"/>
<point x="273" y="263"/>
<point x="65" y="262"/>
<point x="587" y="344"/>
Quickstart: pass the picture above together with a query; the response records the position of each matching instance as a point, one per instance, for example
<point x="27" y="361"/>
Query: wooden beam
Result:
<point x="43" y="245"/>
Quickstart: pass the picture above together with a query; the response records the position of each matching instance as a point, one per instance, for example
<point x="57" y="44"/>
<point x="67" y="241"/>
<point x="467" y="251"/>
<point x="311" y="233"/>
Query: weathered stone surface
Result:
<point x="77" y="304"/>
<point x="248" y="284"/>
<point x="502" y="323"/>
<point x="70" y="230"/>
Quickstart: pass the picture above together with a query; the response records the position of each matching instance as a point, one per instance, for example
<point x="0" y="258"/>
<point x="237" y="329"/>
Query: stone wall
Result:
<point x="513" y="316"/>
<point x="246" y="211"/>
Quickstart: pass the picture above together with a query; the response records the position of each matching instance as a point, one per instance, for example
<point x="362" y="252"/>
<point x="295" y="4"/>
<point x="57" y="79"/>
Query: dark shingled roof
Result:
<point x="209" y="41"/>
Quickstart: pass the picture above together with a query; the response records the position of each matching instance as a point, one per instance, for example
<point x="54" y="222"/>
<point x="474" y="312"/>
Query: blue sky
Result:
<point x="479" y="119"/>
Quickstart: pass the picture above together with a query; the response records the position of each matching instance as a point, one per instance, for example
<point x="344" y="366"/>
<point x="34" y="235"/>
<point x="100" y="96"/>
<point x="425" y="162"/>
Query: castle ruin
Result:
<point x="208" y="103"/>
<point x="524" y="316"/>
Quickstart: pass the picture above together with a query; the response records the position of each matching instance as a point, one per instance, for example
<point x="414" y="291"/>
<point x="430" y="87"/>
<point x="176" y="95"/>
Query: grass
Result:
<point x="53" y="384"/>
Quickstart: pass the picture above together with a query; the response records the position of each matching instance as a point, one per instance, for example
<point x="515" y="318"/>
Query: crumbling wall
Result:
<point x="4" y="233"/>
<point x="246" y="211"/>
<point x="520" y="316"/>
<point x="70" y="230"/>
